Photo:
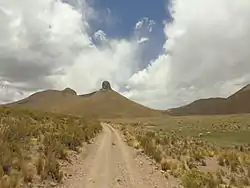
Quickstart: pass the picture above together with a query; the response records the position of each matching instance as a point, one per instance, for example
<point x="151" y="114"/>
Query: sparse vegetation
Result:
<point x="196" y="150"/>
<point x="197" y="179"/>
<point x="31" y="144"/>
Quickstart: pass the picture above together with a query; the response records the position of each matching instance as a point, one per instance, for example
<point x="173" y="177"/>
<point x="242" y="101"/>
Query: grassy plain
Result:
<point x="202" y="151"/>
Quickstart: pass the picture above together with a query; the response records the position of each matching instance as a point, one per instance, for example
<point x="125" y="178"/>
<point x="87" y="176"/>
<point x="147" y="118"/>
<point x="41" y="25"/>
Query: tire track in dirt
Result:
<point x="110" y="163"/>
<point x="99" y="174"/>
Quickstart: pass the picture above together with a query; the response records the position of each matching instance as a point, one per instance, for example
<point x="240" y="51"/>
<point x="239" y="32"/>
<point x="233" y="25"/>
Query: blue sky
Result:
<point x="127" y="13"/>
<point x="122" y="16"/>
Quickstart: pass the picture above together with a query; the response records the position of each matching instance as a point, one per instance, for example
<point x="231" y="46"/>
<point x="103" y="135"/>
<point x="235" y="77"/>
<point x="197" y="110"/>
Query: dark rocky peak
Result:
<point x="69" y="91"/>
<point x="106" y="85"/>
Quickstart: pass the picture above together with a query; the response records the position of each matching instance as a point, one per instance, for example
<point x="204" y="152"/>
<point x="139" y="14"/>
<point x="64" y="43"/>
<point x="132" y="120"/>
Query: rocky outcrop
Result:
<point x="69" y="91"/>
<point x="106" y="85"/>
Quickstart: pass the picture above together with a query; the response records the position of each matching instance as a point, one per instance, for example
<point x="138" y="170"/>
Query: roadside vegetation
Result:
<point x="196" y="150"/>
<point x="33" y="143"/>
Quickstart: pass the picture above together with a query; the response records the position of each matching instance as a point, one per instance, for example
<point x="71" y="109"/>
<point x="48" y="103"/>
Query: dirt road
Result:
<point x="110" y="163"/>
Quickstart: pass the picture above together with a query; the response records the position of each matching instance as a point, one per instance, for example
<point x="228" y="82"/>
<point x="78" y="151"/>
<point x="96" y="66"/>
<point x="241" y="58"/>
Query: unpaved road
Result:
<point x="110" y="163"/>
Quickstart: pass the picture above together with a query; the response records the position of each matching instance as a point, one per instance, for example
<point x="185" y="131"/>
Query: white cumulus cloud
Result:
<point x="145" y="23"/>
<point x="47" y="45"/>
<point x="206" y="54"/>
<point x="142" y="40"/>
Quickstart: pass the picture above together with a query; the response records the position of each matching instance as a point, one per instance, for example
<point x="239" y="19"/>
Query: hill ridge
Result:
<point x="239" y="102"/>
<point x="104" y="103"/>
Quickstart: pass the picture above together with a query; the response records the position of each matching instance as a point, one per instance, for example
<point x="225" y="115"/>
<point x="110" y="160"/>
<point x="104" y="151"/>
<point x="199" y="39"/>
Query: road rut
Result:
<point x="110" y="163"/>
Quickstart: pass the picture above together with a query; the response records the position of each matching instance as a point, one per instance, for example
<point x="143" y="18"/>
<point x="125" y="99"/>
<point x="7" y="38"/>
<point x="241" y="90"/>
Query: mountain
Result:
<point x="237" y="103"/>
<point x="49" y="100"/>
<point x="104" y="103"/>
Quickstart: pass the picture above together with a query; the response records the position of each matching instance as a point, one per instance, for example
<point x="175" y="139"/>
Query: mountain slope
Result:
<point x="234" y="104"/>
<point x="49" y="100"/>
<point x="105" y="103"/>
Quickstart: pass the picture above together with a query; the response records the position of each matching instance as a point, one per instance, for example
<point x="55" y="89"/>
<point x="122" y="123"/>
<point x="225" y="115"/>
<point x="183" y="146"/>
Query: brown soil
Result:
<point x="110" y="163"/>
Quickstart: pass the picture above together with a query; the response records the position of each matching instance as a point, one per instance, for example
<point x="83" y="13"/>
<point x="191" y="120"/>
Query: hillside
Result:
<point x="237" y="103"/>
<point x="104" y="103"/>
<point x="49" y="100"/>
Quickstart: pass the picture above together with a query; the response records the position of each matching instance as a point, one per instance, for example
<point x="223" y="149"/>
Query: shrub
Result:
<point x="248" y="171"/>
<point x="40" y="165"/>
<point x="28" y="172"/>
<point x="149" y="147"/>
<point x="167" y="164"/>
<point x="197" y="179"/>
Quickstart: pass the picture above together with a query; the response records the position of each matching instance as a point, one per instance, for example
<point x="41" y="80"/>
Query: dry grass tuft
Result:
<point x="32" y="142"/>
<point x="196" y="161"/>
<point x="197" y="179"/>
